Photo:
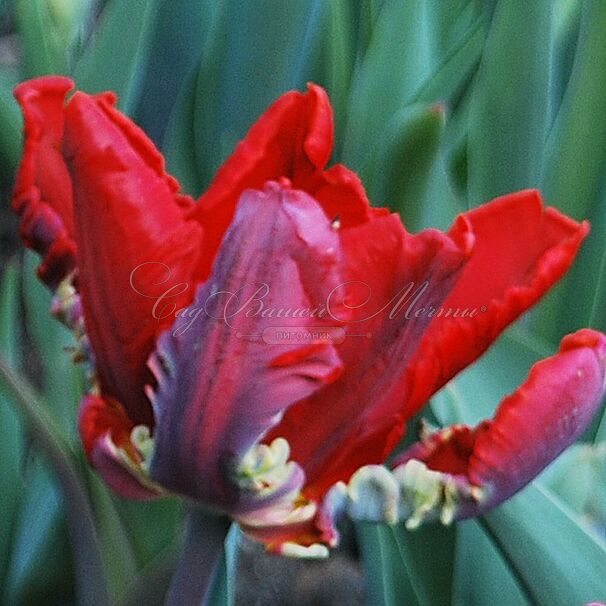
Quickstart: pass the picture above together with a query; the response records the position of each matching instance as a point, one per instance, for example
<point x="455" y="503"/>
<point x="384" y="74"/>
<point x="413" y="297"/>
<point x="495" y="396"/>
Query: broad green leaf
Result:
<point x="5" y="5"/>
<point x="62" y="381"/>
<point x="180" y="33"/>
<point x="41" y="570"/>
<point x="179" y="144"/>
<point x="405" y="162"/>
<point x="581" y="298"/>
<point x="474" y="394"/>
<point x="10" y="313"/>
<point x="44" y="51"/>
<point x="307" y="41"/>
<point x="397" y="62"/>
<point x="455" y="70"/>
<point x="386" y="575"/>
<point x="118" y="552"/>
<point x="10" y="127"/>
<point x="577" y="478"/>
<point x="366" y="15"/>
<point x="556" y="559"/>
<point x="150" y="586"/>
<point x="256" y="52"/>
<point x="428" y="555"/>
<point x="336" y="61"/>
<point x="153" y="526"/>
<point x="574" y="178"/>
<point x="72" y="21"/>
<point x="450" y="23"/>
<point x="565" y="35"/>
<point x="11" y="437"/>
<point x="117" y="54"/>
<point x="481" y="575"/>
<point x="50" y="440"/>
<point x="509" y="117"/>
<point x="575" y="157"/>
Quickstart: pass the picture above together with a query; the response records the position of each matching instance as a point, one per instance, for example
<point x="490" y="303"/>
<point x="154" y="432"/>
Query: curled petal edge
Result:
<point x="461" y="472"/>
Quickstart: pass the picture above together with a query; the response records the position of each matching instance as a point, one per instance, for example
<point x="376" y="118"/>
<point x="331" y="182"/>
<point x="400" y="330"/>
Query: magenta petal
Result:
<point x="531" y="428"/>
<point x="226" y="375"/>
<point x="548" y="413"/>
<point x="121" y="474"/>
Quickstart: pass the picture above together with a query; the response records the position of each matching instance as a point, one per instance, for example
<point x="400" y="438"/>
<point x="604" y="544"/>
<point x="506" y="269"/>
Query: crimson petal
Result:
<point x="386" y="266"/>
<point x="43" y="193"/>
<point x="134" y="244"/>
<point x="226" y="371"/>
<point x="107" y="435"/>
<point x="530" y="429"/>
<point x="292" y="140"/>
<point x="521" y="250"/>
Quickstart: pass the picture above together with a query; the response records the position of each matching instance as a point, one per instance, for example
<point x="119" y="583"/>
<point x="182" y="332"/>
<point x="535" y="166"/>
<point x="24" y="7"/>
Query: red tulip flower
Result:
<point x="260" y="351"/>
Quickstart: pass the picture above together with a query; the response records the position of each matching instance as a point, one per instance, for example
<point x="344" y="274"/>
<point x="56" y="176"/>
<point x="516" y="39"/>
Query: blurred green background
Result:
<point x="440" y="105"/>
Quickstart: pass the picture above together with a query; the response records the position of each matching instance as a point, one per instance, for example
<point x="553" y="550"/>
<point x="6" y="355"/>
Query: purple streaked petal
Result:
<point x="220" y="386"/>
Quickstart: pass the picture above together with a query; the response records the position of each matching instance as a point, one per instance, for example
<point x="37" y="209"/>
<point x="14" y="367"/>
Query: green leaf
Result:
<point x="386" y="576"/>
<point x="481" y="575"/>
<point x="552" y="555"/>
<point x="428" y="555"/>
<point x="117" y="550"/>
<point x="405" y="162"/>
<point x="180" y="33"/>
<point x="336" y="61"/>
<point x="577" y="478"/>
<point x="51" y="441"/>
<point x="116" y="58"/>
<point x="567" y="22"/>
<point x="11" y="125"/>
<point x="455" y="70"/>
<point x="44" y="51"/>
<point x="179" y="144"/>
<point x="62" y="381"/>
<point x="397" y="62"/>
<point x="508" y="118"/>
<point x="575" y="157"/>
<point x="41" y="570"/>
<point x="153" y="526"/>
<point x="474" y="394"/>
<point x="11" y="433"/>
<point x="574" y="179"/>
<point x="235" y="84"/>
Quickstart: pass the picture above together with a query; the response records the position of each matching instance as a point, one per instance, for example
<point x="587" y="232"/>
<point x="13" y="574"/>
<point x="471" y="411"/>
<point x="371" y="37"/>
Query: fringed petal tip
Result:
<point x="137" y="255"/>
<point x="117" y="449"/>
<point x="461" y="472"/>
<point x="411" y="493"/>
<point x="42" y="194"/>
<point x="296" y="527"/>
<point x="501" y="281"/>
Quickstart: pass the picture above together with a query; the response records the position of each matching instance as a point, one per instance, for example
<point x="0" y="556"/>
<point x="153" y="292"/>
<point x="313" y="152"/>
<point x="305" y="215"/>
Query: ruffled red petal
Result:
<point x="530" y="429"/>
<point x="344" y="426"/>
<point x="521" y="250"/>
<point x="43" y="193"/>
<point x="100" y="416"/>
<point x="134" y="245"/>
<point x="105" y="431"/>
<point x="292" y="140"/>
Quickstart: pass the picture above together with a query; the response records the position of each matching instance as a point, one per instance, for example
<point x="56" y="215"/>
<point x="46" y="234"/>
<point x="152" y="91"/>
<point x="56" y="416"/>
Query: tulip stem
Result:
<point x="193" y="581"/>
<point x="90" y="574"/>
